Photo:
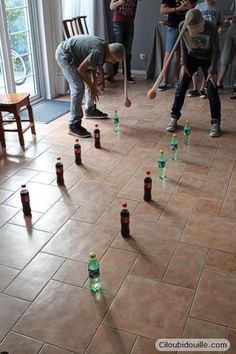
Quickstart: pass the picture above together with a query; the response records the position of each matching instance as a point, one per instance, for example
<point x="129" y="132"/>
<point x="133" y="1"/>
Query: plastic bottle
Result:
<point x="187" y="130"/>
<point x="25" y="200"/>
<point x="94" y="273"/>
<point x="96" y="132"/>
<point x="174" y="146"/>
<point x="161" y="165"/>
<point x="124" y="221"/>
<point x="116" y="122"/>
<point x="77" y="150"/>
<point x="147" y="187"/>
<point x="60" y="172"/>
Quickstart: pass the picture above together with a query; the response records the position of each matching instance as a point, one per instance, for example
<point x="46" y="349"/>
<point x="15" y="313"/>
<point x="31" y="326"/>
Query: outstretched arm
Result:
<point x="116" y="3"/>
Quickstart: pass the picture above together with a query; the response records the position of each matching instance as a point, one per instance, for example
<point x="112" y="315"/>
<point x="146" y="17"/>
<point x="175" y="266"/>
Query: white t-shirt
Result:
<point x="211" y="13"/>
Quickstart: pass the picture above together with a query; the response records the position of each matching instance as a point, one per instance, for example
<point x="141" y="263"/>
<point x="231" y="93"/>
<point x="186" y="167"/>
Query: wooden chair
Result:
<point x="78" y="25"/>
<point x="12" y="103"/>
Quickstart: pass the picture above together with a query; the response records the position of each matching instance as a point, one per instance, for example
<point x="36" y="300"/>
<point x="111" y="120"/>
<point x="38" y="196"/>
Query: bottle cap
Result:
<point x="174" y="135"/>
<point x="77" y="140"/>
<point x="161" y="151"/>
<point x="92" y="254"/>
<point x="23" y="185"/>
<point x="96" y="125"/>
<point x="58" y="158"/>
<point x="147" y="172"/>
<point x="124" y="205"/>
<point x="115" y="111"/>
<point x="187" y="121"/>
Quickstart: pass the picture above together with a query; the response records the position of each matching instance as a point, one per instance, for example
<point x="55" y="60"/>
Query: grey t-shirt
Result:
<point x="202" y="46"/>
<point x="86" y="46"/>
<point x="211" y="13"/>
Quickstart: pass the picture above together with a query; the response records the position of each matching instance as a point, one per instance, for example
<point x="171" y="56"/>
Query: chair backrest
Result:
<point x="80" y="23"/>
<point x="74" y="26"/>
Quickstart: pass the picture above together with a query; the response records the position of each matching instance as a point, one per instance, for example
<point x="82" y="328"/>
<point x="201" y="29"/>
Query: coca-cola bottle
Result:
<point x="77" y="150"/>
<point x="59" y="172"/>
<point x="124" y="221"/>
<point x="25" y="200"/>
<point x="147" y="187"/>
<point x="96" y="132"/>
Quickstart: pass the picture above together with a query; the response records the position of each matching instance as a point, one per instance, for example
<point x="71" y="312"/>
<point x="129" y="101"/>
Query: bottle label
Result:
<point x="77" y="150"/>
<point x="174" y="147"/>
<point x="96" y="135"/>
<point x="124" y="219"/>
<point x="147" y="185"/>
<point x="161" y="164"/>
<point x="59" y="170"/>
<point x="25" y="198"/>
<point x="187" y="131"/>
<point x="95" y="273"/>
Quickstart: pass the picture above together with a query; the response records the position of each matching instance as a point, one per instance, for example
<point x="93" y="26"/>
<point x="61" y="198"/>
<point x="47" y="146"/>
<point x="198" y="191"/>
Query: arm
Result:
<point x="116" y="3"/>
<point x="166" y="10"/>
<point x="83" y="71"/>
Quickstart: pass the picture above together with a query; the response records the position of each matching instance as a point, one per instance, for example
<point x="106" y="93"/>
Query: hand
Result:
<point x="184" y="70"/>
<point x="213" y="79"/>
<point x="94" y="93"/>
<point x="185" y="6"/>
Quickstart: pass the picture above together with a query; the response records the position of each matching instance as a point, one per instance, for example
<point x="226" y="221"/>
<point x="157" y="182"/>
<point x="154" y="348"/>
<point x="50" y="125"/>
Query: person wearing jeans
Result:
<point x="199" y="48"/>
<point x="77" y="57"/>
<point x="123" y="29"/>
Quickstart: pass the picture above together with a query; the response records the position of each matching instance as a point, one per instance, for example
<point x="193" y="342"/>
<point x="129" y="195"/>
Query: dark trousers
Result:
<point x="183" y="86"/>
<point x="124" y="33"/>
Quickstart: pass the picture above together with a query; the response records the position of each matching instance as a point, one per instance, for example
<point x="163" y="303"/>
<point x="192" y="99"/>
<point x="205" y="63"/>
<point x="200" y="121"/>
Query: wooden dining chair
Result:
<point x="12" y="103"/>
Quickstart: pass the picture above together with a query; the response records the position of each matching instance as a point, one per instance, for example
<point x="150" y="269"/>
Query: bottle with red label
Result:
<point x="124" y="221"/>
<point x="60" y="172"/>
<point x="25" y="200"/>
<point x="96" y="132"/>
<point x="77" y="151"/>
<point x="147" y="187"/>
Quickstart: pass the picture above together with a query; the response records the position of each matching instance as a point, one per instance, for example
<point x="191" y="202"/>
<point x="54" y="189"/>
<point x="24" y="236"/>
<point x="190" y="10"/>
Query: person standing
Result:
<point x="77" y="56"/>
<point x="123" y="29"/>
<point x="199" y="48"/>
<point x="211" y="12"/>
<point x="176" y="10"/>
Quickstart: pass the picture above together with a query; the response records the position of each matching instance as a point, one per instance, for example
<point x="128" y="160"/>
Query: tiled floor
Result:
<point x="176" y="274"/>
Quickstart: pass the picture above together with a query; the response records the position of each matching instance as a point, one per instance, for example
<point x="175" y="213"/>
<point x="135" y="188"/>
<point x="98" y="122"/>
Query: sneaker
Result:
<point x="172" y="126"/>
<point x="203" y="94"/>
<point x="193" y="93"/>
<point x="78" y="130"/>
<point x="130" y="80"/>
<point x="215" y="130"/>
<point x="95" y="113"/>
<point x="162" y="86"/>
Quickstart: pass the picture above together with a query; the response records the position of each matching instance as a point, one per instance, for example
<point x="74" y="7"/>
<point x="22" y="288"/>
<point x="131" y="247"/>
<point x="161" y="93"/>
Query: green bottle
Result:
<point x="116" y="122"/>
<point x="94" y="273"/>
<point x="161" y="164"/>
<point x="174" y="147"/>
<point x="187" y="130"/>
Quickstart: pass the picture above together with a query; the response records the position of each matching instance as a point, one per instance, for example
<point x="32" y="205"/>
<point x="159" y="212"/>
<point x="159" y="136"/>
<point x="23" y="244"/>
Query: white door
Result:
<point x="19" y="56"/>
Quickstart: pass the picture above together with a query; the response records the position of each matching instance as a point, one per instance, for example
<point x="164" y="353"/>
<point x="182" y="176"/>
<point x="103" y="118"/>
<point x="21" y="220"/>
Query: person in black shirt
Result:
<point x="176" y="10"/>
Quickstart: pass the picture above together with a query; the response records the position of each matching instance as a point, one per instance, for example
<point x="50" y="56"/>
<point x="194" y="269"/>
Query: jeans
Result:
<point x="212" y="92"/>
<point x="124" y="33"/>
<point x="76" y="84"/>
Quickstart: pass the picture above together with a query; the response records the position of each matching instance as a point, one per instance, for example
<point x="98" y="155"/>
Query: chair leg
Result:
<point x="19" y="128"/>
<point x="31" y="118"/>
<point x="2" y="134"/>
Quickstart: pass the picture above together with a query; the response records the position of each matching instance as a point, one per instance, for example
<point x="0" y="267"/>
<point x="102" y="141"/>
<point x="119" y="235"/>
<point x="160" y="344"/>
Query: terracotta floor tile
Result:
<point x="149" y="211"/>
<point x="21" y="177"/>
<point x="4" y="195"/>
<point x="55" y="217"/>
<point x="6" y="213"/>
<point x="144" y="346"/>
<point x="149" y="315"/>
<point x="210" y="234"/>
<point x="108" y="340"/>
<point x="229" y="205"/>
<point x="76" y="240"/>
<point x="72" y="272"/>
<point x="34" y="276"/>
<point x="46" y="162"/>
<point x="154" y="239"/>
<point x="18" y="246"/>
<point x="224" y="174"/>
<point x="50" y="349"/>
<point x="112" y="276"/>
<point x="27" y="221"/>
<point x="207" y="206"/>
<point x="201" y="329"/>
<point x="17" y="344"/>
<point x="178" y="209"/>
<point x="231" y="336"/>
<point x="221" y="261"/>
<point x="52" y="327"/>
<point x="6" y="276"/>
<point x="213" y="304"/>
<point x="195" y="168"/>
<point x="44" y="177"/>
<point x="50" y="194"/>
<point x="89" y="213"/>
<point x="177" y="272"/>
<point x="11" y="309"/>
<point x="149" y="267"/>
